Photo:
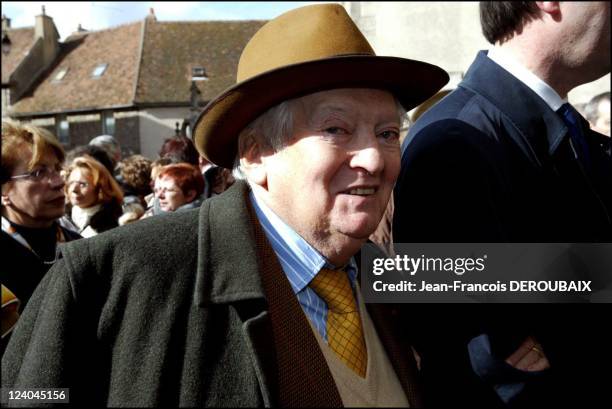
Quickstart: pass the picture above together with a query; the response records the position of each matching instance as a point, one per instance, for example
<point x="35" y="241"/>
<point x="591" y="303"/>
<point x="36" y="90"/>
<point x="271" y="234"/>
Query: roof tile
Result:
<point x="80" y="54"/>
<point x="22" y="39"/>
<point x="171" y="49"/>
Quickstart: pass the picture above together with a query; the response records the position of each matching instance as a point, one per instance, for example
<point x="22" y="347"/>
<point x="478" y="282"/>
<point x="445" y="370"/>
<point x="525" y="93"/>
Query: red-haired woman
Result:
<point x="95" y="196"/>
<point x="178" y="187"/>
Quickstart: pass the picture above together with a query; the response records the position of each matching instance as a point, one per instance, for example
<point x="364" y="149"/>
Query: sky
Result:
<point x="97" y="15"/>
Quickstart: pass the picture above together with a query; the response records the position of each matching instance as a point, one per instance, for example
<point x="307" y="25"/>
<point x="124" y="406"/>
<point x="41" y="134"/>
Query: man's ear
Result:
<point x="252" y="161"/>
<point x="551" y="8"/>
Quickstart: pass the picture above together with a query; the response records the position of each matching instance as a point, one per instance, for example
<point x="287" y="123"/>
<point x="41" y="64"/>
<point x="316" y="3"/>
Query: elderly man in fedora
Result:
<point x="250" y="300"/>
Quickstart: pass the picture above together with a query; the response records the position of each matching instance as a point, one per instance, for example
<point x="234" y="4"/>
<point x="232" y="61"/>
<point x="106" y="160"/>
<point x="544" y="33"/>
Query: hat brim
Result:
<point x="219" y="124"/>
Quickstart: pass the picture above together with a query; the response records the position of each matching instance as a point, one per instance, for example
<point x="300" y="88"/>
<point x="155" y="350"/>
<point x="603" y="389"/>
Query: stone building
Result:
<point x="136" y="81"/>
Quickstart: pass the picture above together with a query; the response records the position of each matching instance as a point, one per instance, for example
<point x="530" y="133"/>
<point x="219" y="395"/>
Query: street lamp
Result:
<point x="195" y="99"/>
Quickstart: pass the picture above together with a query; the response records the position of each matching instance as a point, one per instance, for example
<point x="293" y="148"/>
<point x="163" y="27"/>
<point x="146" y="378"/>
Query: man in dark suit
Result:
<point x="505" y="158"/>
<point x="251" y="300"/>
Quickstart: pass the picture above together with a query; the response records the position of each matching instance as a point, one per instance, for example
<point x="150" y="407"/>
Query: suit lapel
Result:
<point x="540" y="129"/>
<point x="304" y="379"/>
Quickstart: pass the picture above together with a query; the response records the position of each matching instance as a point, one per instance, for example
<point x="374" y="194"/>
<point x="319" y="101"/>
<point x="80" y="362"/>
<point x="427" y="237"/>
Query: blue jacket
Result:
<point x="491" y="163"/>
<point x="488" y="163"/>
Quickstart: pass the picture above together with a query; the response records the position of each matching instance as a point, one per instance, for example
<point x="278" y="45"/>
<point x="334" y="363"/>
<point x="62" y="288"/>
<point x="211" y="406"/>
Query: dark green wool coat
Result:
<point x="186" y="309"/>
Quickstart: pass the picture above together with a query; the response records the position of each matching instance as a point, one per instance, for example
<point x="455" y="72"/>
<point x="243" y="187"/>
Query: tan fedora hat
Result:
<point x="305" y="50"/>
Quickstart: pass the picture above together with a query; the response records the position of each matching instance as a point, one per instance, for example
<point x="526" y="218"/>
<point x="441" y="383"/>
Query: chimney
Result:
<point x="45" y="27"/>
<point x="45" y="30"/>
<point x="6" y="23"/>
<point x="39" y="58"/>
<point x="151" y="15"/>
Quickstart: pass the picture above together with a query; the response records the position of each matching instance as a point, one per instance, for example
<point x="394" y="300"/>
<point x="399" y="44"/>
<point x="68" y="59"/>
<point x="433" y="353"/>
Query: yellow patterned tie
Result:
<point x="344" y="332"/>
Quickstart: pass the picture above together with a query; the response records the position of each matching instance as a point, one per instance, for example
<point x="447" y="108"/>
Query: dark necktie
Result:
<point x="571" y="118"/>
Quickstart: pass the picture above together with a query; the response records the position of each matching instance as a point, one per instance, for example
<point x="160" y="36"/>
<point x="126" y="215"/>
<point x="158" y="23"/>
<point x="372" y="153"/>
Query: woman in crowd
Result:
<point x="32" y="205"/>
<point x="95" y="197"/>
<point x="179" y="187"/>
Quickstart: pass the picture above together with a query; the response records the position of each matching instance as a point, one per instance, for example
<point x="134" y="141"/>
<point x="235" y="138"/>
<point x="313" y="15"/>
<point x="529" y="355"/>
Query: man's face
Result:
<point x="333" y="181"/>
<point x="33" y="202"/>
<point x="587" y="37"/>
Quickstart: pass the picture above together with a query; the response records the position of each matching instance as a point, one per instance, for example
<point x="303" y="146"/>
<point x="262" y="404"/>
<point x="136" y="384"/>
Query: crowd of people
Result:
<point x="49" y="197"/>
<point x="103" y="191"/>
<point x="126" y="281"/>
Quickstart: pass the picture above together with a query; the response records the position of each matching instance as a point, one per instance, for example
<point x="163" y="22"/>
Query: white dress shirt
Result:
<point x="507" y="61"/>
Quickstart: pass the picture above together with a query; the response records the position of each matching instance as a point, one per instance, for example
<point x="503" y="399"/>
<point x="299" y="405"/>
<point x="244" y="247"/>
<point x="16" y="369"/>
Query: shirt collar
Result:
<point x="505" y="60"/>
<point x="206" y="167"/>
<point x="300" y="261"/>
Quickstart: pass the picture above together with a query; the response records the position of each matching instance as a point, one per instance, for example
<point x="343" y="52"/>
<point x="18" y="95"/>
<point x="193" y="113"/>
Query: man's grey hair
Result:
<point x="274" y="129"/>
<point x="109" y="144"/>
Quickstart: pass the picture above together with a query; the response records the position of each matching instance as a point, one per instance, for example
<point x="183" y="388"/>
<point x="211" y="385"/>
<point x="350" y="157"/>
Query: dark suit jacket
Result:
<point x="490" y="163"/>
<point x="185" y="309"/>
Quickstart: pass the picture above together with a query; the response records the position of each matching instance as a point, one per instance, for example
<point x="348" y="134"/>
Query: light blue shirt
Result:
<point x="300" y="261"/>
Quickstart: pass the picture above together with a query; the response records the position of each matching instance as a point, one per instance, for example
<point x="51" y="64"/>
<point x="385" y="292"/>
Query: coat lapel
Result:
<point x="257" y="332"/>
<point x="287" y="360"/>
<point x="304" y="379"/>
<point x="227" y="269"/>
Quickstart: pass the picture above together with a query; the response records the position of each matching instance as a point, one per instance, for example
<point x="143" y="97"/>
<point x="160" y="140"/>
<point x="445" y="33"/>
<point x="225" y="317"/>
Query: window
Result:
<point x="63" y="129"/>
<point x="108" y="123"/>
<point x="60" y="75"/>
<point x="198" y="73"/>
<point x="99" y="70"/>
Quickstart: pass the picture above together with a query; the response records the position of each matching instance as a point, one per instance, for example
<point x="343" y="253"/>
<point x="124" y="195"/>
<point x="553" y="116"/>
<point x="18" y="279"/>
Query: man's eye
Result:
<point x="334" y="130"/>
<point x="389" y="134"/>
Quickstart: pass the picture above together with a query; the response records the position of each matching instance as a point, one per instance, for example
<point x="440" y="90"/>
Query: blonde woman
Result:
<point x="95" y="197"/>
<point x="32" y="209"/>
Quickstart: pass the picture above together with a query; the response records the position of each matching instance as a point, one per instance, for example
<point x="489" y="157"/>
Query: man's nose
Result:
<point x="368" y="157"/>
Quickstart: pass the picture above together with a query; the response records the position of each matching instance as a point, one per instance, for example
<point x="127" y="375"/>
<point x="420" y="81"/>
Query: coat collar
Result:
<point x="230" y="219"/>
<point x="286" y="355"/>
<point x="226" y="218"/>
<point x="527" y="111"/>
